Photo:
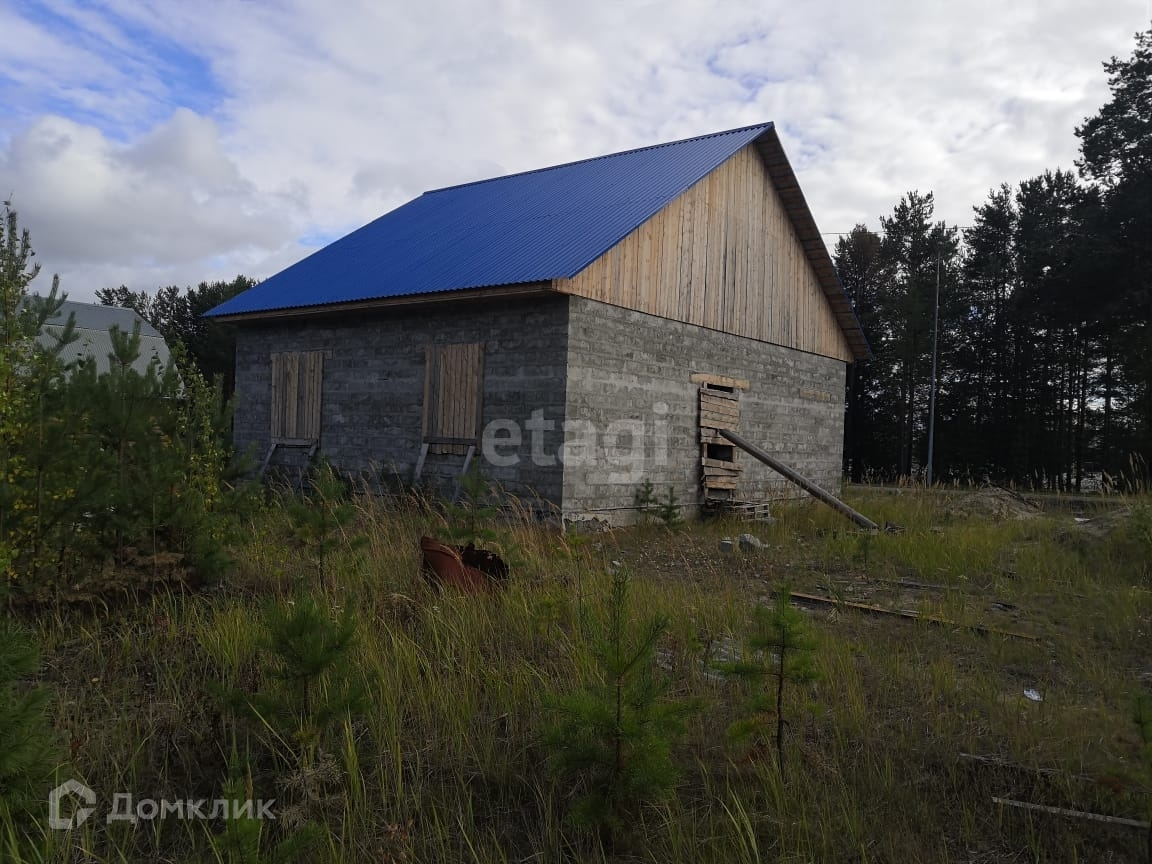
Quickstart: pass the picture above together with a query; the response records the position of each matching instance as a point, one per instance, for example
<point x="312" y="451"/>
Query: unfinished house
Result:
<point x="580" y="329"/>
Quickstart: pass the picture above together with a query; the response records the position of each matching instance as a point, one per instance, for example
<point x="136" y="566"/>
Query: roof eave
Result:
<point x="525" y="289"/>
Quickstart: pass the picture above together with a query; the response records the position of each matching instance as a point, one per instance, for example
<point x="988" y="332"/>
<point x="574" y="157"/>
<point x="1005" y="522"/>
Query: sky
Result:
<point x="159" y="142"/>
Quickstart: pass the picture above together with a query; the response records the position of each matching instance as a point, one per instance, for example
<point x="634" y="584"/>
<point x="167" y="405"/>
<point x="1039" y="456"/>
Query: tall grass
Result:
<point x="446" y="763"/>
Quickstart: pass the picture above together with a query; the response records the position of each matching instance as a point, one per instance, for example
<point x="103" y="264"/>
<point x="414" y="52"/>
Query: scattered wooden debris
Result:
<point x="1000" y="762"/>
<point x="900" y="583"/>
<point x="1073" y="814"/>
<point x="909" y="616"/>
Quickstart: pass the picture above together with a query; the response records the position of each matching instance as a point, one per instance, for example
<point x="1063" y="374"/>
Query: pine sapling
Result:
<point x="470" y="521"/>
<point x="668" y="511"/>
<point x="782" y="651"/>
<point x="614" y="737"/>
<point x="246" y="838"/>
<point x="28" y="754"/>
<point x="321" y="517"/>
<point x="651" y="506"/>
<point x="310" y="664"/>
<point x="644" y="500"/>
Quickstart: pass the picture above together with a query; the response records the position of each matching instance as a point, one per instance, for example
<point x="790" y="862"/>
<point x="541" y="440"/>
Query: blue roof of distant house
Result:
<point x="540" y="225"/>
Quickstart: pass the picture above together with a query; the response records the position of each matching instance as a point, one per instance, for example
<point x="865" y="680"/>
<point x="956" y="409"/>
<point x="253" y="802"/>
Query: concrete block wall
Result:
<point x="373" y="385"/>
<point x="626" y="365"/>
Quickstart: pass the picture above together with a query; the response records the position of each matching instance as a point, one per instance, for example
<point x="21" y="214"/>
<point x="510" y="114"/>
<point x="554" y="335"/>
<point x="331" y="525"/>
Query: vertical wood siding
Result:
<point x="453" y="394"/>
<point x="297" y="379"/>
<point x="723" y="255"/>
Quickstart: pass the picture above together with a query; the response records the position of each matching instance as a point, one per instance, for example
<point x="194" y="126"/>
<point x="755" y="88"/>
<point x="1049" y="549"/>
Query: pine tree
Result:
<point x="470" y="522"/>
<point x="857" y="259"/>
<point x="782" y="650"/>
<point x="309" y="671"/>
<point x="30" y="372"/>
<point x="1116" y="155"/>
<point x="615" y="737"/>
<point x="246" y="839"/>
<point x="320" y="518"/>
<point x="28" y="755"/>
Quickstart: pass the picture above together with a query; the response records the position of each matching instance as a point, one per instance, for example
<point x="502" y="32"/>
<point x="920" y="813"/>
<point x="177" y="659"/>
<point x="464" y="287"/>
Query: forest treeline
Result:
<point x="1045" y="319"/>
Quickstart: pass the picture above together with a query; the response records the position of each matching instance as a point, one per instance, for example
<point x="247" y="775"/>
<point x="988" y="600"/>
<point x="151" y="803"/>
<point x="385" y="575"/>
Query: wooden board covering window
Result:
<point x="297" y="377"/>
<point x="453" y="396"/>
<point x="719" y="409"/>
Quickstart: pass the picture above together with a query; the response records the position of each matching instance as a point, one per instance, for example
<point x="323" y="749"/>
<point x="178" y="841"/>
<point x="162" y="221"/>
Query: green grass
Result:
<point x="446" y="763"/>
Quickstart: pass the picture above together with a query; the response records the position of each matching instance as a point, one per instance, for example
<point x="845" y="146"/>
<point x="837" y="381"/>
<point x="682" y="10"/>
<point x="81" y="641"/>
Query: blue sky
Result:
<point x="152" y="142"/>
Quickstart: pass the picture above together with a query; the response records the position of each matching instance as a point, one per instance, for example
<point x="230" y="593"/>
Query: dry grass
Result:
<point x="445" y="765"/>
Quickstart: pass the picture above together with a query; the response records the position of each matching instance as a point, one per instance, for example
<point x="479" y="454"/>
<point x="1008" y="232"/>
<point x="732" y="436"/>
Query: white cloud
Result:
<point x="169" y="206"/>
<point x="317" y="119"/>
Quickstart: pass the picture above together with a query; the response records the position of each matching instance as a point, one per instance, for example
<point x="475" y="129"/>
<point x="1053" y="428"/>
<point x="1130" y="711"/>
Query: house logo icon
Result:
<point x="71" y="787"/>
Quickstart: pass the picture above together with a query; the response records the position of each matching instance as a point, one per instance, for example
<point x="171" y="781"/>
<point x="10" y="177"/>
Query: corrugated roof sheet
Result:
<point x="93" y="340"/>
<point x="530" y="227"/>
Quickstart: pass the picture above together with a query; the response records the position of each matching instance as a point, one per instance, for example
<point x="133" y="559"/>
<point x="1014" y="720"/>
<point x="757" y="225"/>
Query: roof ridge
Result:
<point x="765" y="126"/>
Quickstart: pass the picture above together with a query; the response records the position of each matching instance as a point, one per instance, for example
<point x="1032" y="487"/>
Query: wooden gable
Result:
<point x="723" y="255"/>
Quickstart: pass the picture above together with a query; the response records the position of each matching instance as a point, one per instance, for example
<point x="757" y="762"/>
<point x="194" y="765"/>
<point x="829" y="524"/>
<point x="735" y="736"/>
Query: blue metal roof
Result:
<point x="540" y="225"/>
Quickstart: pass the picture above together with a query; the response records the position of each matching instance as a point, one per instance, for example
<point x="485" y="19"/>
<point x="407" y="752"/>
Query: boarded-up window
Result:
<point x="453" y="396"/>
<point x="296" y="384"/>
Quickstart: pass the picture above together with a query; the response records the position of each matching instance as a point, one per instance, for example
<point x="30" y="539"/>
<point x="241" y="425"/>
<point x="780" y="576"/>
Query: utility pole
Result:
<point x="932" y="391"/>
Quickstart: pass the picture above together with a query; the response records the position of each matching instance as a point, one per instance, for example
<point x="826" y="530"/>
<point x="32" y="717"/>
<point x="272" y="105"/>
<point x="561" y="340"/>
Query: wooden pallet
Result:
<point x="745" y="511"/>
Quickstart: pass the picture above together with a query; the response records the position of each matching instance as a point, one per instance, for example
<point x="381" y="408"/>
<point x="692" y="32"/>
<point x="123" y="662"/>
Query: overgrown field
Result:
<point x="434" y="736"/>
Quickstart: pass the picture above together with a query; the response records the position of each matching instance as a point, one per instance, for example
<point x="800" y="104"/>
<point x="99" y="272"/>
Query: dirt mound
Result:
<point x="992" y="503"/>
<point x="1104" y="524"/>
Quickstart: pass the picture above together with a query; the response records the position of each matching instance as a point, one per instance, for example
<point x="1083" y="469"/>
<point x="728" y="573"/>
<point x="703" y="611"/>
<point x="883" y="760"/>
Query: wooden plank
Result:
<point x="727" y="407"/>
<point x="719" y="482"/>
<point x="720" y="463"/>
<point x="709" y="472"/>
<point x="429" y="370"/>
<point x="302" y="395"/>
<point x="816" y="600"/>
<point x="709" y="420"/>
<point x="719" y="403"/>
<point x="478" y="411"/>
<point x="1074" y="814"/>
<point x="720" y="396"/>
<point x="714" y="279"/>
<point x="267" y="459"/>
<point x="291" y="394"/>
<point x="308" y="404"/>
<point x="737" y="235"/>
<point x="276" y="427"/>
<point x="447" y="439"/>
<point x="420" y="462"/>
<point x="699" y="262"/>
<point x="728" y="415"/>
<point x="719" y="380"/>
<point x="815" y="395"/>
